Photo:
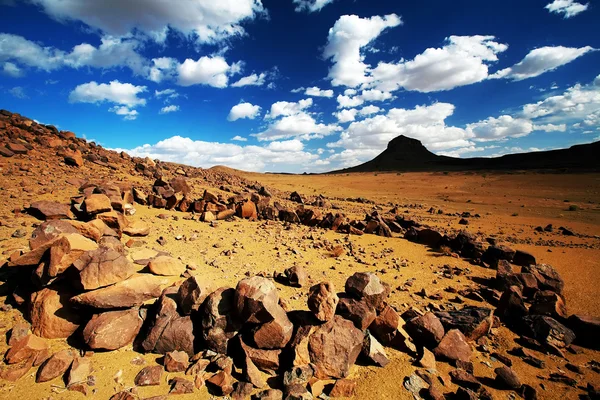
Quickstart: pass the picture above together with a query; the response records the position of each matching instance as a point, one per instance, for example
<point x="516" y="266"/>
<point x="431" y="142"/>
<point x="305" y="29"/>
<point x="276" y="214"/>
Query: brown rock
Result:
<point x="269" y="394"/>
<point x="454" y="347"/>
<point x="473" y="322"/>
<point x="51" y="314"/>
<point x="323" y="301"/>
<point x="55" y="366"/>
<point x="124" y="395"/>
<point x="295" y="276"/>
<point x="358" y="311"/>
<point x="274" y="334"/>
<point x="96" y="204"/>
<point x="465" y="379"/>
<point x="180" y="185"/>
<point x="48" y="231"/>
<point x="334" y="347"/>
<point x="426" y="330"/>
<point x="547" y="331"/>
<point x="166" y="266"/>
<point x="112" y="330"/>
<point x="176" y="361"/>
<point x="427" y="359"/>
<point x="257" y="300"/>
<point x="506" y="378"/>
<point x="221" y="383"/>
<point x="80" y="370"/>
<point x="549" y="303"/>
<point x="219" y="323"/>
<point x="242" y="390"/>
<point x="367" y="286"/>
<point x="132" y="292"/>
<point x="103" y="267"/>
<point x="587" y="330"/>
<point x="387" y="328"/>
<point x="74" y="158"/>
<point x="523" y="259"/>
<point x="30" y="347"/>
<point x="374" y="351"/>
<point x="15" y="372"/>
<point x="149" y="376"/>
<point x="548" y="278"/>
<point x="137" y="229"/>
<point x="343" y="388"/>
<point x="265" y="360"/>
<point x="18" y="332"/>
<point x="252" y="374"/>
<point x="247" y="210"/>
<point x="50" y="210"/>
<point x="191" y="295"/>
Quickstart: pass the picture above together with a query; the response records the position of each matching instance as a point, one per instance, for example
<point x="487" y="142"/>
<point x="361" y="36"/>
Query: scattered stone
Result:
<point x="149" y="376"/>
<point x="220" y="383"/>
<point x="176" y="361"/>
<point x="454" y="347"/>
<point x="295" y="276"/>
<point x="55" y="366"/>
<point x="181" y="386"/>
<point x="343" y="388"/>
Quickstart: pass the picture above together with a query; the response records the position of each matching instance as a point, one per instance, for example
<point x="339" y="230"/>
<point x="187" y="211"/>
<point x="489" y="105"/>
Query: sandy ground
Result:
<point x="510" y="207"/>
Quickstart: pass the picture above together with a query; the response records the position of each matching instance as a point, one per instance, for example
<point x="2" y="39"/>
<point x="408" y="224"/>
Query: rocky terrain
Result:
<point x="129" y="278"/>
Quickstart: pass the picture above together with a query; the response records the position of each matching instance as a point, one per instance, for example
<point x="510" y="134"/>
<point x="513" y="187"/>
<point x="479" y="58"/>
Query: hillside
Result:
<point x="406" y="154"/>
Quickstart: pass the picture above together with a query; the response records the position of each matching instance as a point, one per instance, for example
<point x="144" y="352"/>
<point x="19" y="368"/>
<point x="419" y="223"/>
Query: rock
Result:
<point x="81" y="369"/>
<point x="103" y="267"/>
<point x="547" y="277"/>
<point x="495" y="253"/>
<point x="374" y="351"/>
<point x="454" y="347"/>
<point x="112" y="330"/>
<point x="323" y="301"/>
<point x="297" y="392"/>
<point x="387" y="328"/>
<point x="166" y="266"/>
<point x="343" y="388"/>
<point x="191" y="295"/>
<point x="46" y="210"/>
<point x="257" y="300"/>
<point x="149" y="376"/>
<point x="506" y="378"/>
<point x="366" y="285"/>
<point x="465" y="379"/>
<point x="74" y="158"/>
<point x="523" y="259"/>
<point x="181" y="386"/>
<point x="219" y="324"/>
<point x="295" y="276"/>
<point x="270" y="394"/>
<point x="15" y="372"/>
<point x="334" y="347"/>
<point x="415" y="384"/>
<point x="511" y="307"/>
<point x="586" y="329"/>
<point x="31" y="347"/>
<point x="429" y="237"/>
<point x="51" y="314"/>
<point x="96" y="204"/>
<point x="48" y="231"/>
<point x="241" y="390"/>
<point x="426" y="330"/>
<point x="265" y="360"/>
<point x="473" y="322"/>
<point x="274" y="334"/>
<point x="180" y="185"/>
<point x="176" y="361"/>
<point x="427" y="359"/>
<point x="132" y="292"/>
<point x="251" y="374"/>
<point x="55" y="366"/>
<point x="246" y="210"/>
<point x="137" y="229"/>
<point x="357" y="311"/>
<point x="221" y="384"/>
<point x="298" y="375"/>
<point x="549" y="303"/>
<point x="18" y="332"/>
<point x="547" y="331"/>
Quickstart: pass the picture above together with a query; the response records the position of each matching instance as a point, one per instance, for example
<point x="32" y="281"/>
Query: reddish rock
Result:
<point x="242" y="390"/>
<point x="523" y="259"/>
<point x="511" y="307"/>
<point x="137" y="229"/>
<point x="149" y="376"/>
<point x="547" y="277"/>
<point x="257" y="300"/>
<point x="18" y="332"/>
<point x="251" y="374"/>
<point x="373" y="351"/>
<point x="427" y="359"/>
<point x="465" y="379"/>
<point x="112" y="330"/>
<point x="547" y="331"/>
<point x="191" y="295"/>
<point x="506" y="378"/>
<point x="55" y="366"/>
<point x="274" y="334"/>
<point x="473" y="322"/>
<point x="176" y="361"/>
<point x="323" y="301"/>
<point x="31" y="347"/>
<point x="426" y="330"/>
<point x="587" y="330"/>
<point x="103" y="267"/>
<point x="549" y="303"/>
<point x="247" y="210"/>
<point x="51" y="314"/>
<point x="132" y="292"/>
<point x="357" y="311"/>
<point x="270" y="394"/>
<point x="96" y="204"/>
<point x="265" y="360"/>
<point x="74" y="158"/>
<point x="80" y="371"/>
<point x="367" y="286"/>
<point x="454" y="347"/>
<point x="166" y="266"/>
<point x="180" y="185"/>
<point x="17" y="148"/>
<point x="221" y="383"/>
<point x="48" y="231"/>
<point x="387" y="328"/>
<point x="295" y="276"/>
<point x="334" y="347"/>
<point x="429" y="237"/>
<point x="181" y="386"/>
<point x="343" y="388"/>
<point x="50" y="210"/>
<point x="219" y="323"/>
<point x="15" y="372"/>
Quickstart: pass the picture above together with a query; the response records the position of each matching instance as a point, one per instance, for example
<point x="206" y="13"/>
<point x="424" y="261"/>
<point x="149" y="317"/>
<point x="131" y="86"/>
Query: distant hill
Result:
<point x="406" y="154"/>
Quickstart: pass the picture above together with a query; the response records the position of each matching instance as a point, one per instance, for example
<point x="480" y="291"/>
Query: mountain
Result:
<point x="406" y="154"/>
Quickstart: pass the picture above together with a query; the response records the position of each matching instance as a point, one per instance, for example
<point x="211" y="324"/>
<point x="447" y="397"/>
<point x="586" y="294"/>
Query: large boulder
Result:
<point x="47" y="210"/>
<point x="454" y="347"/>
<point x="323" y="301"/>
<point x="358" y="311"/>
<point x="219" y="324"/>
<point x="334" y="347"/>
<point x="547" y="331"/>
<point x="166" y="266"/>
<point x="274" y="334"/>
<point x="96" y="204"/>
<point x="112" y="330"/>
<point x="426" y="330"/>
<point x="256" y="300"/>
<point x="367" y="286"/>
<point x="55" y="366"/>
<point x="51" y="314"/>
<point x="103" y="267"/>
<point x="191" y="295"/>
<point x="388" y="329"/>
<point x="547" y="277"/>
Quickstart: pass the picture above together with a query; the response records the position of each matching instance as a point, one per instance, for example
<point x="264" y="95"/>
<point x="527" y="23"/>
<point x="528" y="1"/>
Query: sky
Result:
<point x="305" y="85"/>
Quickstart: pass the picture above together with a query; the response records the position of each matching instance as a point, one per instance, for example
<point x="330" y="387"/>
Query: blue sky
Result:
<point x="305" y="85"/>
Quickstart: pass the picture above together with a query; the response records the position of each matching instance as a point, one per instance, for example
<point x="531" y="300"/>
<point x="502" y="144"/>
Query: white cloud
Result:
<point x="283" y="108"/>
<point x="207" y="154"/>
<point x="127" y="113"/>
<point x="569" y="8"/>
<point x="212" y="71"/>
<point x="163" y="68"/>
<point x="251" y="80"/>
<point x="375" y="95"/>
<point x="243" y="110"/>
<point x="463" y="60"/>
<point x="315" y="91"/>
<point x="167" y="94"/>
<point x="169" y="109"/>
<point x="499" y="128"/>
<point x="346" y="115"/>
<point x="116" y="92"/>
<point x="348" y="36"/>
<point x="550" y="128"/>
<point x="239" y="138"/>
<point x="300" y="125"/>
<point x="286" y="145"/>
<point x="541" y="60"/>
<point x="348" y="102"/>
<point x="207" y="21"/>
<point x="311" y="5"/>
<point x="368" y="110"/>
<point x="18" y="92"/>
<point x="12" y="70"/>
<point x="22" y="51"/>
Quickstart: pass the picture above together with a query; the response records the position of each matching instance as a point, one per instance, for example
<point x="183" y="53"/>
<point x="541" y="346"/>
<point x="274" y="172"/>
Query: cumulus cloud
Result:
<point x="502" y="127"/>
<point x="368" y="110"/>
<point x="550" y="128"/>
<point x="12" y="70"/>
<point x="169" y="109"/>
<point x="347" y="38"/>
<point x="311" y="5"/>
<point x="124" y="111"/>
<point x="283" y="108"/>
<point x="300" y="125"/>
<point x="114" y="92"/>
<point x="569" y="8"/>
<point x="349" y="101"/>
<point x="243" y="110"/>
<point x="251" y="80"/>
<point x="350" y="98"/>
<point x="346" y="115"/>
<point x="239" y="138"/>
<point x="542" y="60"/>
<point x="207" y="21"/>
<point x="315" y="91"/>
<point x="286" y="145"/>
<point x="207" y="70"/>
<point x="463" y="60"/>
<point x="163" y="68"/>
<point x="286" y="157"/>
<point x="166" y="94"/>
